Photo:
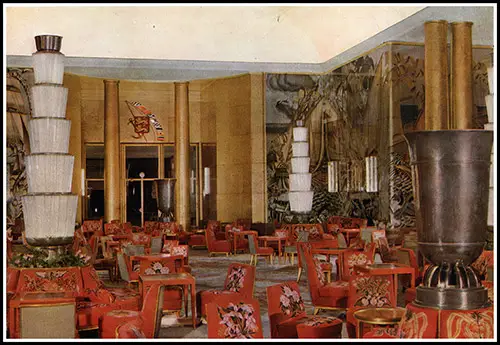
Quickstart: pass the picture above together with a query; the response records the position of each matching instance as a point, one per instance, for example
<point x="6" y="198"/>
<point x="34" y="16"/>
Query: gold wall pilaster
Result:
<point x="461" y="75"/>
<point x="436" y="74"/>
<point x="73" y="113"/>
<point x="182" y="185"/>
<point x="111" y="151"/>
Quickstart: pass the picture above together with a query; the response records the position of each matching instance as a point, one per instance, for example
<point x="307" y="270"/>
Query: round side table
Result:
<point x="377" y="316"/>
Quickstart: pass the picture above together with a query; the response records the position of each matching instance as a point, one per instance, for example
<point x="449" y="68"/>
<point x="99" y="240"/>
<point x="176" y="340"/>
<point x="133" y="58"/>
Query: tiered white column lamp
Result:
<point x="489" y="126"/>
<point x="300" y="194"/>
<point x="49" y="207"/>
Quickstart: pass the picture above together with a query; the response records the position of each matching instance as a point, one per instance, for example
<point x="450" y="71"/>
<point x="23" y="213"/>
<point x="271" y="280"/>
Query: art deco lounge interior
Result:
<point x="241" y="172"/>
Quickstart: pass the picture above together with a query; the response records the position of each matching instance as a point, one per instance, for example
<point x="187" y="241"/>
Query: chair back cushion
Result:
<point x="240" y="278"/>
<point x="351" y="258"/>
<point x="283" y="303"/>
<point x="222" y="324"/>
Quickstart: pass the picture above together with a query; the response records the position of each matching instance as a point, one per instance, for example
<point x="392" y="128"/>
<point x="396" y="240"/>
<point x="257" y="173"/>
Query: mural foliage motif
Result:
<point x="348" y="112"/>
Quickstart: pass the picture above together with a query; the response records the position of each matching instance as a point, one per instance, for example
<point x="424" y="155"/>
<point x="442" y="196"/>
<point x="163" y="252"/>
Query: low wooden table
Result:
<point x="184" y="279"/>
<point x="237" y="234"/>
<point x="377" y="316"/>
<point x="278" y="239"/>
<point x="388" y="269"/>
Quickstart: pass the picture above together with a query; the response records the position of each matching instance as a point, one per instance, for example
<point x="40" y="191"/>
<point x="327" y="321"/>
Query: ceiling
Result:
<point x="188" y="42"/>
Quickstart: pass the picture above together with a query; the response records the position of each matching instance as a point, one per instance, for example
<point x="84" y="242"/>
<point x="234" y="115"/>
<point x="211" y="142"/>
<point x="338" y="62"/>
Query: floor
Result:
<point x="210" y="273"/>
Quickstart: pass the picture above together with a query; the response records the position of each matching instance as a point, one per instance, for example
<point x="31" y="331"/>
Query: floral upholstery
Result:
<point x="141" y="238"/>
<point x="368" y="291"/>
<point x="168" y="244"/>
<point x="151" y="227"/>
<point x="173" y="294"/>
<point x="239" y="281"/>
<point x="114" y="229"/>
<point x="352" y="258"/>
<point x="234" y="317"/>
<point x="93" y="226"/>
<point x="482" y="263"/>
<point x="288" y="319"/>
<point x="93" y="299"/>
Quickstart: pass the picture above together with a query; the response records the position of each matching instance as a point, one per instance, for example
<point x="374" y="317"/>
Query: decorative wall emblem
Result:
<point x="141" y="119"/>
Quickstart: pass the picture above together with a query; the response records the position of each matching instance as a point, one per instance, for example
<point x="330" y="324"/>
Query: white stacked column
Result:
<point x="489" y="126"/>
<point x="49" y="208"/>
<point x="300" y="194"/>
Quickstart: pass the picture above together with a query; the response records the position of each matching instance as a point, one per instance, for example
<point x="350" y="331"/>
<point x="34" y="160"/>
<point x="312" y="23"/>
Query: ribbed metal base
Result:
<point x="452" y="299"/>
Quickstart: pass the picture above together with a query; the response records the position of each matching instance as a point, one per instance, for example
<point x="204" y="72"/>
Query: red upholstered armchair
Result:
<point x="287" y="315"/>
<point x="368" y="291"/>
<point x="216" y="246"/>
<point x="256" y="250"/>
<point x="215" y="225"/>
<point x="222" y="323"/>
<point x="168" y="264"/>
<point x="241" y="242"/>
<point x="144" y="323"/>
<point x="173" y="229"/>
<point x="324" y="295"/>
<point x="240" y="279"/>
<point x="92" y="226"/>
<point x="151" y="227"/>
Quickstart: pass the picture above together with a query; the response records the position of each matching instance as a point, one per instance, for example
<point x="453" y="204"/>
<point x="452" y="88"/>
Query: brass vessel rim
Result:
<point x="450" y="130"/>
<point x="462" y="23"/>
<point x="440" y="21"/>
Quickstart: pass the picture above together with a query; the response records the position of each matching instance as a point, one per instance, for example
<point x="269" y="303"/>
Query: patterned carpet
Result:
<point x="210" y="273"/>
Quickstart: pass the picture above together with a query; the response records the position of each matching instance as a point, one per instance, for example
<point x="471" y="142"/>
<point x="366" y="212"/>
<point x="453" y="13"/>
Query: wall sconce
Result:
<point x="193" y="179"/>
<point x="371" y="173"/>
<point x="206" y="180"/>
<point x="333" y="176"/>
<point x="83" y="182"/>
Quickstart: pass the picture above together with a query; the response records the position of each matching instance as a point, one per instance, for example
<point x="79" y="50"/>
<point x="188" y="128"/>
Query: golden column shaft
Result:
<point x="461" y="75"/>
<point x="182" y="185"/>
<point x="111" y="151"/>
<point x="436" y="75"/>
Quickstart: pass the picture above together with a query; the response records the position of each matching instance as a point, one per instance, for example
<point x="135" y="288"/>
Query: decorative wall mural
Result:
<point x="18" y="110"/>
<point x="362" y="107"/>
<point x="141" y="120"/>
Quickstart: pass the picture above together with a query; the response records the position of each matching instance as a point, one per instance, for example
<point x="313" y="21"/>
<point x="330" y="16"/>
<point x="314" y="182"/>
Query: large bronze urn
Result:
<point x="451" y="184"/>
<point x="165" y="189"/>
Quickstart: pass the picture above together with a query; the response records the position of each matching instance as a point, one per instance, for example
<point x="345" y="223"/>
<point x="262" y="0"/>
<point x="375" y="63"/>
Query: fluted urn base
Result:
<point x="452" y="299"/>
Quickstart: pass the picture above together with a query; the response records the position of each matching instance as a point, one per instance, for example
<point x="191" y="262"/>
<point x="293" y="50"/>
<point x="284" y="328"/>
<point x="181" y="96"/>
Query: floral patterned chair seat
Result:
<point x="240" y="279"/>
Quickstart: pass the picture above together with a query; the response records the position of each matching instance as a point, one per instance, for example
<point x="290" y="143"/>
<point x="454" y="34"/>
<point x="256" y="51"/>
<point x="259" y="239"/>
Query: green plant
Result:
<point x="39" y="258"/>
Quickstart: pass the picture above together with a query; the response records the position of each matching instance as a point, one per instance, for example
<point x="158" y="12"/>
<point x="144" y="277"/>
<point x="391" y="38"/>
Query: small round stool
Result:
<point x="320" y="327"/>
<point x="109" y="322"/>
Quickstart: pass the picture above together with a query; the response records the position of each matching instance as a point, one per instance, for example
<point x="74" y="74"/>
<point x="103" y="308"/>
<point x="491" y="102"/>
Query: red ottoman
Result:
<point x="320" y="327"/>
<point x="110" y="321"/>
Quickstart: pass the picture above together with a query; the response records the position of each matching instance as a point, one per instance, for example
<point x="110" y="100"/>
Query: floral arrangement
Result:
<point x="239" y="320"/>
<point x="236" y="279"/>
<point x="291" y="304"/>
<point x="372" y="292"/>
<point x="157" y="268"/>
<point x="37" y="258"/>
